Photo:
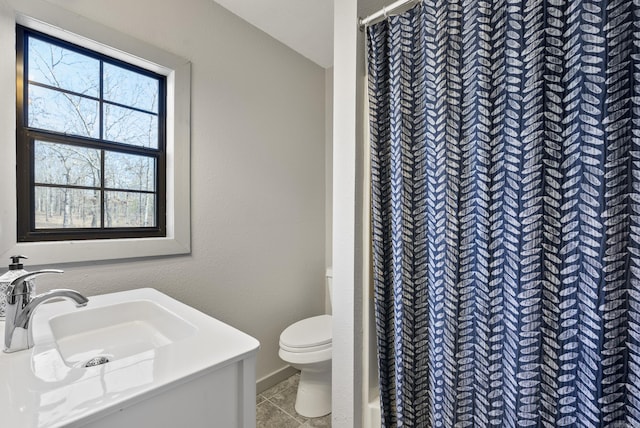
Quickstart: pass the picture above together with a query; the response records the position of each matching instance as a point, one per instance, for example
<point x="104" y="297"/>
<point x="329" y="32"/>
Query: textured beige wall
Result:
<point x="257" y="170"/>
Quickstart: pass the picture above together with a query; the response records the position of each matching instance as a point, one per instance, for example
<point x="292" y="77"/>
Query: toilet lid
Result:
<point x="307" y="333"/>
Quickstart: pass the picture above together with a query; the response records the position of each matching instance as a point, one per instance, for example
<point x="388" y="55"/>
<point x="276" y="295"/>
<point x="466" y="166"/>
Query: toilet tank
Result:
<point x="328" y="290"/>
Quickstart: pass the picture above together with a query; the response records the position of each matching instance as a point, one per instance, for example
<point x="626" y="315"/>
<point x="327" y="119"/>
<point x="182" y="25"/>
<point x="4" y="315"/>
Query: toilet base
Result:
<point x="314" y="393"/>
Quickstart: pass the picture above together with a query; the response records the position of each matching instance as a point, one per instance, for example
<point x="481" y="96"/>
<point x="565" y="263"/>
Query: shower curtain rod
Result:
<point x="383" y="13"/>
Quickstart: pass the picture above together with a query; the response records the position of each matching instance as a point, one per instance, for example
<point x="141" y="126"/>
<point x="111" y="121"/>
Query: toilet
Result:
<point x="306" y="346"/>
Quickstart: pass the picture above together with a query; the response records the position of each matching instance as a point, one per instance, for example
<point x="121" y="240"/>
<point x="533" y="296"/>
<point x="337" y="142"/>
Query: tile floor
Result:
<point x="275" y="408"/>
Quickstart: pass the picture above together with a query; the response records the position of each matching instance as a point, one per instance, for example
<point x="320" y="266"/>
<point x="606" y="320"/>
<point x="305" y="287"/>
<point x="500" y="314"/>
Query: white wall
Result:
<point x="257" y="169"/>
<point x="355" y="367"/>
<point x="347" y="218"/>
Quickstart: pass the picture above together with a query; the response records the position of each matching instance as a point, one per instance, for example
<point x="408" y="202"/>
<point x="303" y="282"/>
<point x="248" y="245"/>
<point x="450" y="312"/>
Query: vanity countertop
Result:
<point x="39" y="388"/>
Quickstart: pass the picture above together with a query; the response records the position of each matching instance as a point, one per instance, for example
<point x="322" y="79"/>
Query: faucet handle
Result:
<point x="15" y="262"/>
<point x="20" y="285"/>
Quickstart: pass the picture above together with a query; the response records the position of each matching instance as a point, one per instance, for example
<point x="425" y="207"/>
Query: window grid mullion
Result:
<point x="101" y="127"/>
<point x="100" y="98"/>
<point x="62" y="90"/>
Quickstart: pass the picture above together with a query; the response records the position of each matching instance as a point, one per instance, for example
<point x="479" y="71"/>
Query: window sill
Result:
<point x="45" y="253"/>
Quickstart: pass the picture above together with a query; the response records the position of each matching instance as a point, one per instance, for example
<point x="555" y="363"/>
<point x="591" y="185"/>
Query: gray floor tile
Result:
<point x="287" y="383"/>
<point x="276" y="408"/>
<point x="323" y="422"/>
<point x="286" y="400"/>
<point x="268" y="415"/>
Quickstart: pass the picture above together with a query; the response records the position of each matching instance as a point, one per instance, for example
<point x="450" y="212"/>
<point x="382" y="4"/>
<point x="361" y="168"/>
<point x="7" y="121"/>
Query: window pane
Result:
<point x="128" y="126"/>
<point x="129" y="209"/>
<point x="62" y="68"/>
<point x="129" y="88"/>
<point x="130" y="172"/>
<point x="66" y="165"/>
<point x="56" y="111"/>
<point x="59" y="208"/>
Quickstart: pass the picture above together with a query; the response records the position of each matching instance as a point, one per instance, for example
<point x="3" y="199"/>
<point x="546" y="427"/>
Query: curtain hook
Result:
<point x="385" y="13"/>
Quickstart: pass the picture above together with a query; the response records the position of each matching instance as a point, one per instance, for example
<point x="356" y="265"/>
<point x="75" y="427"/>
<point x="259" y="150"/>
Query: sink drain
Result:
<point x="96" y="361"/>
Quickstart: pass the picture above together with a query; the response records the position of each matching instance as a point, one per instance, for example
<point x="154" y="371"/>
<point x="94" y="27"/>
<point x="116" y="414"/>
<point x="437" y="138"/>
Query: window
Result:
<point x="77" y="31"/>
<point x="91" y="150"/>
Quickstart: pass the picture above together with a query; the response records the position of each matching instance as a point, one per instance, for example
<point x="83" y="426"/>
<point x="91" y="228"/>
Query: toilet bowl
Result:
<point x="306" y="346"/>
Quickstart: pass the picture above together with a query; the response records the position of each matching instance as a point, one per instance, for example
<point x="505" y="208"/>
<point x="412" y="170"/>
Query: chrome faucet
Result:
<point x="20" y="307"/>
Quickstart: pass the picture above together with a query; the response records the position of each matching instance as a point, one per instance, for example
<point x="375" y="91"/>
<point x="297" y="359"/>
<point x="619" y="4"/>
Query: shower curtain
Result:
<point x="505" y="147"/>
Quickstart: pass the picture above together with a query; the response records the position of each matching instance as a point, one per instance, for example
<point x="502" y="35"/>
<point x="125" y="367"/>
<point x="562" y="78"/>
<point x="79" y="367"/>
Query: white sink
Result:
<point x="116" y="331"/>
<point x="169" y="365"/>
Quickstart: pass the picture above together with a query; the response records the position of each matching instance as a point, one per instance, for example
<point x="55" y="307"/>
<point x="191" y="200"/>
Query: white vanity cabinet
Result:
<point x="224" y="398"/>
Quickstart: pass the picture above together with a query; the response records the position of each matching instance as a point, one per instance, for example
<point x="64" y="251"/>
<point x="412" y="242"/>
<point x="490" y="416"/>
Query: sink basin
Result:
<point x="168" y="365"/>
<point x="116" y="331"/>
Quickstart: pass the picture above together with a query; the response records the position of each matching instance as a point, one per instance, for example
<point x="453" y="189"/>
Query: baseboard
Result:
<point x="274" y="378"/>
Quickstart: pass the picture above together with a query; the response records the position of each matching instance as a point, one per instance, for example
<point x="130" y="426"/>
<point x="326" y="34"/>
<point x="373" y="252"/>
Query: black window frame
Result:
<point x="26" y="136"/>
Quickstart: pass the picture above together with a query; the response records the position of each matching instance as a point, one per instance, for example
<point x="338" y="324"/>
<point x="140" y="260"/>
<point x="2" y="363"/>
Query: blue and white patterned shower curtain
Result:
<point x="506" y="213"/>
